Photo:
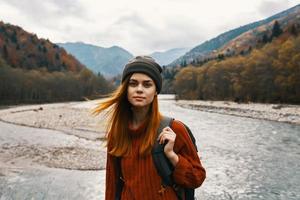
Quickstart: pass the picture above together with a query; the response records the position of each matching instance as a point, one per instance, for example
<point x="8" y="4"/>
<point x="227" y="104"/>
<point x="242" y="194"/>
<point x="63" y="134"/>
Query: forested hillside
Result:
<point x="36" y="70"/>
<point x="203" y="51"/>
<point x="267" y="74"/>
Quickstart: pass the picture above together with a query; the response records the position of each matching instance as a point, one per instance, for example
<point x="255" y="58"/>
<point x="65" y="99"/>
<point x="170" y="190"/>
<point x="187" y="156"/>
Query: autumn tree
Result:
<point x="186" y="83"/>
<point x="268" y="74"/>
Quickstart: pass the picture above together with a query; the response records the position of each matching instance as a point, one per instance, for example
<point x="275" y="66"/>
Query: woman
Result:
<point x="134" y="119"/>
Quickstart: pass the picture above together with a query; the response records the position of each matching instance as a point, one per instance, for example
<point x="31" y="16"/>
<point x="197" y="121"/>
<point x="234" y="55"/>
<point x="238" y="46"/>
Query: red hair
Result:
<point x="119" y="116"/>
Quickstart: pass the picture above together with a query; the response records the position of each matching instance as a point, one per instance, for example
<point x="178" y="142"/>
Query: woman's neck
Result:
<point x="139" y="115"/>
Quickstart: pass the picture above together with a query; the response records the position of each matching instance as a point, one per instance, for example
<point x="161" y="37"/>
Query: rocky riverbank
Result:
<point x="72" y="118"/>
<point x="68" y="137"/>
<point x="84" y="148"/>
<point x="44" y="148"/>
<point x="273" y="112"/>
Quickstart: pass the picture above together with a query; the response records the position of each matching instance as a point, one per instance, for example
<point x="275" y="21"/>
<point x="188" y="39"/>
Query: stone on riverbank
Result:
<point x="273" y="112"/>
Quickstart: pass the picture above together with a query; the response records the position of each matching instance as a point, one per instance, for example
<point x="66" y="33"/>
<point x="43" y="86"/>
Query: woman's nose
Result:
<point x="140" y="88"/>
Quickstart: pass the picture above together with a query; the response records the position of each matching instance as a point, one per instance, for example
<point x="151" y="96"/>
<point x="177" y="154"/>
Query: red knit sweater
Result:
<point x="141" y="180"/>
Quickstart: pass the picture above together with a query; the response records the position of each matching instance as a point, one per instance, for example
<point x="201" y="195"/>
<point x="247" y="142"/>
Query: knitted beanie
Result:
<point x="145" y="65"/>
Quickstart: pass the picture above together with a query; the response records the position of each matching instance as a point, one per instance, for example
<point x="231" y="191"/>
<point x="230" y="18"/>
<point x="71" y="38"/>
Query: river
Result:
<point x="244" y="158"/>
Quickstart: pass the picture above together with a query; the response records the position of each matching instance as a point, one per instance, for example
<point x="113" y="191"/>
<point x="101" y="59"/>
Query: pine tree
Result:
<point x="265" y="38"/>
<point x="276" y="31"/>
<point x="57" y="57"/>
<point x="5" y="52"/>
<point x="293" y="30"/>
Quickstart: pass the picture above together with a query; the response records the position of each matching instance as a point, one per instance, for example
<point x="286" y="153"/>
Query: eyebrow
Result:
<point x="146" y="81"/>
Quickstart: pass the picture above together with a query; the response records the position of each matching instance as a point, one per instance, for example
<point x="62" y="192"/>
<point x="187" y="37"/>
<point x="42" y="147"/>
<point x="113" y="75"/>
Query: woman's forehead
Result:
<point x="140" y="77"/>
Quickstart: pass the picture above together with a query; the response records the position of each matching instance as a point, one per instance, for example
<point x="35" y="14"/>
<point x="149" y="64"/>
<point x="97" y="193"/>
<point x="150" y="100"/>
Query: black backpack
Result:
<point x="162" y="164"/>
<point x="165" y="168"/>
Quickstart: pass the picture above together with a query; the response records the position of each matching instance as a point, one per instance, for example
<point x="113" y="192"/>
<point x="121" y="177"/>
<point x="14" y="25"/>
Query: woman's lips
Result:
<point x="139" y="98"/>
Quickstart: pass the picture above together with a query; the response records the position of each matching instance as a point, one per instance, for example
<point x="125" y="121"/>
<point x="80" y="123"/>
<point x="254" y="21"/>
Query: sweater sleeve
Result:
<point x="189" y="171"/>
<point x="110" y="188"/>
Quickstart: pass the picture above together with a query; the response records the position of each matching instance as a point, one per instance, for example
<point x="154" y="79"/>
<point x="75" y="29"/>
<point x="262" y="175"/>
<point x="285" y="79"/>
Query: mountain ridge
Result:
<point x="109" y="61"/>
<point x="22" y="49"/>
<point x="165" y="57"/>
<point x="208" y="46"/>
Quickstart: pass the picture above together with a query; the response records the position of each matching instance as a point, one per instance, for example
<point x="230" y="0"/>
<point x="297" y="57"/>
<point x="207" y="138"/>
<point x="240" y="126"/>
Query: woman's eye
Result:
<point x="133" y="84"/>
<point x="147" y="85"/>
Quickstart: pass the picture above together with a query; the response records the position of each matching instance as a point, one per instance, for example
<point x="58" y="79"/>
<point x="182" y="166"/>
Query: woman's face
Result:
<point x="141" y="90"/>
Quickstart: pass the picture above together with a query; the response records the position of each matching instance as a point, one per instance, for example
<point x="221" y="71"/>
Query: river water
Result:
<point x="244" y="158"/>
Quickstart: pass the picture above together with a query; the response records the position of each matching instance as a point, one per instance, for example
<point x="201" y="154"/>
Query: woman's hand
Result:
<point x="167" y="136"/>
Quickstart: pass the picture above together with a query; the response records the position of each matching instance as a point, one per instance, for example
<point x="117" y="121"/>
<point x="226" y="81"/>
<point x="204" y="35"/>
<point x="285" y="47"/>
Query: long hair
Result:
<point x="118" y="117"/>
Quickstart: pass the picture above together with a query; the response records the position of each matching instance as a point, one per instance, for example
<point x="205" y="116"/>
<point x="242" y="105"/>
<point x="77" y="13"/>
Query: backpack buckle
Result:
<point x="162" y="189"/>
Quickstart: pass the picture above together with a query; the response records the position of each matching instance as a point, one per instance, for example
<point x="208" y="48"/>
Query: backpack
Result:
<point x="165" y="168"/>
<point x="162" y="164"/>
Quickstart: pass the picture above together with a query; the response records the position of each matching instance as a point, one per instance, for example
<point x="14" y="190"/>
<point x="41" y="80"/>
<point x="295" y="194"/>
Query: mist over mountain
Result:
<point x="166" y="57"/>
<point x="109" y="61"/>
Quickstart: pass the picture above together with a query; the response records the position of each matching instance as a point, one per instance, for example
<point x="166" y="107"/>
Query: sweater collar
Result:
<point x="139" y="130"/>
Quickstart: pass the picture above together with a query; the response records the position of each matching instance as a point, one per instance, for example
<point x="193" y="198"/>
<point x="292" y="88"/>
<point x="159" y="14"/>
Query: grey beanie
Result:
<point x="146" y="65"/>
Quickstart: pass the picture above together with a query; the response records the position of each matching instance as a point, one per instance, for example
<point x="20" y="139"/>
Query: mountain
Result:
<point x="108" y="61"/>
<point x="35" y="70"/>
<point x="267" y="74"/>
<point x="285" y="26"/>
<point x="166" y="57"/>
<point x="21" y="49"/>
<point x="205" y="48"/>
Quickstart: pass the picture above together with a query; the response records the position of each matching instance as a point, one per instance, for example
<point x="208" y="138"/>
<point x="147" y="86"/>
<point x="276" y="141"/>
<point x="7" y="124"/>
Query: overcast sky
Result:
<point x="139" y="26"/>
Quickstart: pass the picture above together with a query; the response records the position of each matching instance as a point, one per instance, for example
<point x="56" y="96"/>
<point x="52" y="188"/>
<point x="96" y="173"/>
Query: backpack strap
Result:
<point x="162" y="164"/>
<point x="191" y="135"/>
<point x="165" y="121"/>
<point x="119" y="178"/>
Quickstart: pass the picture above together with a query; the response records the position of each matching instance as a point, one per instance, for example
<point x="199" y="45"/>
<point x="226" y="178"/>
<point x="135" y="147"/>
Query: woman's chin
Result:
<point x="139" y="105"/>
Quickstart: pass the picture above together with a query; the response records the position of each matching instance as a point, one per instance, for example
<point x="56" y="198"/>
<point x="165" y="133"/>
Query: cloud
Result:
<point x="158" y="25"/>
<point x="36" y="8"/>
<point x="182" y="32"/>
<point x="50" y="14"/>
<point x="271" y="7"/>
<point x="138" y="32"/>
